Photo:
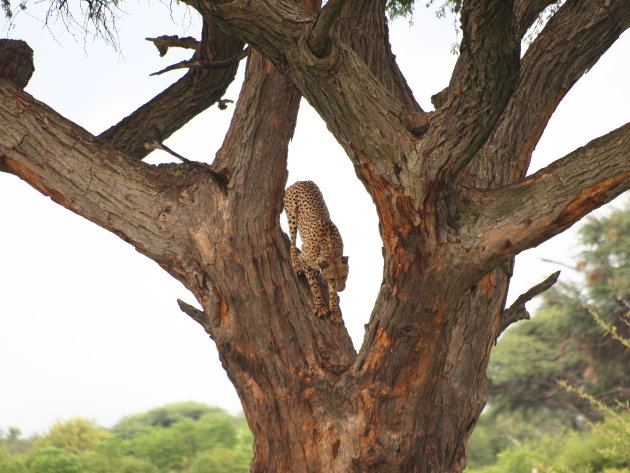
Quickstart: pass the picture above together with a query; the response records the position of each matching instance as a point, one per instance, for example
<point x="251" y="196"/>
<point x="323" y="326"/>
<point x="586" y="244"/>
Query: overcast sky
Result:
<point x="91" y="328"/>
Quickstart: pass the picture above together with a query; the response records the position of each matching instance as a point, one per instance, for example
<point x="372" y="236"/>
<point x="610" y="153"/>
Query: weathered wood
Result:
<point x="16" y="62"/>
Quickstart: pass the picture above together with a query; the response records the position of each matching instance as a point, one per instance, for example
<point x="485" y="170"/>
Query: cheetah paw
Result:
<point x="335" y="318"/>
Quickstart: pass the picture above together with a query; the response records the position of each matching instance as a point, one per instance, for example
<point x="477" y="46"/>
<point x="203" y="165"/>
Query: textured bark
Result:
<point x="16" y="62"/>
<point x="408" y="400"/>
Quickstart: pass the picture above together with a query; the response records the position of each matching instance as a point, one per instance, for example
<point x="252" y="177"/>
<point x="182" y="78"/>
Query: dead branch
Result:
<point x="162" y="43"/>
<point x="196" y="63"/>
<point x="517" y="310"/>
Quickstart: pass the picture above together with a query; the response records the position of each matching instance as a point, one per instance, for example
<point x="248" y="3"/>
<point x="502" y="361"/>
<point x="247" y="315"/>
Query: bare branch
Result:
<point x="517" y="310"/>
<point x="162" y="43"/>
<point x="192" y="94"/>
<point x="195" y="63"/>
<point x="530" y="212"/>
<point x="318" y="40"/>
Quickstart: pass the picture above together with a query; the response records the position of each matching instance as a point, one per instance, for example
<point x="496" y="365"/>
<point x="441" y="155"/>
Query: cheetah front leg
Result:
<point x="335" y="312"/>
<point x="321" y="310"/>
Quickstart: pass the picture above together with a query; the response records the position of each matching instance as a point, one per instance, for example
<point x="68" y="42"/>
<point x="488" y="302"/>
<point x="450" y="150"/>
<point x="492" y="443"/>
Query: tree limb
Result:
<point x="318" y="39"/>
<point x="162" y="43"/>
<point x="363" y="26"/>
<point x="570" y="44"/>
<point x="173" y="108"/>
<point x="86" y="175"/>
<point x="485" y="76"/>
<point x="530" y="212"/>
<point x="366" y="119"/>
<point x="517" y="310"/>
<point x="527" y="11"/>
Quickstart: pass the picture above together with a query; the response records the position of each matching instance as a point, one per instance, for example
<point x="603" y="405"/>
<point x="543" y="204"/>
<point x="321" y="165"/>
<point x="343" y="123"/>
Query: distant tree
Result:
<point x="450" y="187"/>
<point x="54" y="460"/>
<point x="164" y="416"/>
<point x="74" y="435"/>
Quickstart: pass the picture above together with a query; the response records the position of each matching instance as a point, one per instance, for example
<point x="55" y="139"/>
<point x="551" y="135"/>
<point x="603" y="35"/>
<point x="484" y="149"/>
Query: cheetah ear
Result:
<point x="344" y="259"/>
<point x="323" y="264"/>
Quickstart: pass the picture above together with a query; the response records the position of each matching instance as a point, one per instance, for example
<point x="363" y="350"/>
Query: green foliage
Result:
<point x="54" y="460"/>
<point x="162" y="417"/>
<point x="74" y="435"/>
<point x="186" y="437"/>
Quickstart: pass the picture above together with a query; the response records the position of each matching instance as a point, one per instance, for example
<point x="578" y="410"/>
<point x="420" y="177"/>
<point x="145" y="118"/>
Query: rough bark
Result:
<point x="409" y="399"/>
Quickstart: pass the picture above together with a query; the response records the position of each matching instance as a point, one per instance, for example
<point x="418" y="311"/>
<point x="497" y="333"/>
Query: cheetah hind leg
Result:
<point x="296" y="262"/>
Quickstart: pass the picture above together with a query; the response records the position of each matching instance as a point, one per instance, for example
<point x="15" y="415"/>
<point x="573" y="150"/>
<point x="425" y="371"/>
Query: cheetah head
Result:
<point x="336" y="273"/>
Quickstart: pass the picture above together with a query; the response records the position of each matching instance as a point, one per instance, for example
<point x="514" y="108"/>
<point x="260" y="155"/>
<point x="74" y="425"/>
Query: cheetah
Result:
<point x="322" y="247"/>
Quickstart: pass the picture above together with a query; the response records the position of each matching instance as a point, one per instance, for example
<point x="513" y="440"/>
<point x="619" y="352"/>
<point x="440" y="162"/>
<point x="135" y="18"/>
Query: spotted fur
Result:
<point x="322" y="247"/>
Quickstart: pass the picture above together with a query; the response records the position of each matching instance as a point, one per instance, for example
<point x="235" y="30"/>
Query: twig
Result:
<point x="517" y="310"/>
<point x="319" y="40"/>
<point x="197" y="315"/>
<point x="196" y="63"/>
<point x="219" y="179"/>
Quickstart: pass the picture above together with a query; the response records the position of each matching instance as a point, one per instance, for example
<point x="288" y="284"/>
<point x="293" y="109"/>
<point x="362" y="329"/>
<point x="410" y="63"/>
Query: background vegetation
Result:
<point x="186" y="437"/>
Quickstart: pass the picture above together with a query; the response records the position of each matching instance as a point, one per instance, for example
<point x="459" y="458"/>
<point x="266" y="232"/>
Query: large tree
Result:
<point x="450" y="189"/>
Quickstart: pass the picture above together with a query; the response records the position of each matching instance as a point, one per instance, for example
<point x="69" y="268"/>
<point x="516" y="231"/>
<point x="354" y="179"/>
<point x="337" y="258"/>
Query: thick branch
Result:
<point x="85" y="175"/>
<point x="363" y="26"/>
<point x="526" y="214"/>
<point x="483" y="81"/>
<point x="318" y="40"/>
<point x="527" y="11"/>
<point x="517" y="310"/>
<point x="173" y="108"/>
<point x="571" y="43"/>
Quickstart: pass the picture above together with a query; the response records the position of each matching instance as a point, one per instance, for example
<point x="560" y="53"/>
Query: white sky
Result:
<point x="89" y="327"/>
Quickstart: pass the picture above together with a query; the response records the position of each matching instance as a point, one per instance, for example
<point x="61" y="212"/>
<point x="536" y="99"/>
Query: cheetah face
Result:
<point x="335" y="274"/>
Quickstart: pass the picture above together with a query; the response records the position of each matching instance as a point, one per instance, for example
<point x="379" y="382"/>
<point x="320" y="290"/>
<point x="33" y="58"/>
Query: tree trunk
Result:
<point x="450" y="190"/>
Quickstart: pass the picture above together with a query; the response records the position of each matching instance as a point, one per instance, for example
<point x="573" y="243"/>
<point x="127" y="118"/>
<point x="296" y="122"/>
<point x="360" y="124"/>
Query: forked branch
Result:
<point x="570" y="44"/>
<point x="196" y="63"/>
